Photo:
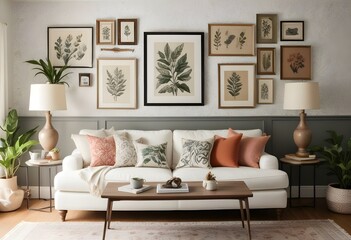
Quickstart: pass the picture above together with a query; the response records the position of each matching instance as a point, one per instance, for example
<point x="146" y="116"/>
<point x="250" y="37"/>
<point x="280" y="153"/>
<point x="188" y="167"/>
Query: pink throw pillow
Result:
<point x="102" y="150"/>
<point x="225" y="151"/>
<point x="251" y="149"/>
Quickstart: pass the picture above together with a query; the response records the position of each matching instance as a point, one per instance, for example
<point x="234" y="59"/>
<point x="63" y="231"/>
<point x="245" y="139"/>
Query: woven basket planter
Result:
<point x="338" y="200"/>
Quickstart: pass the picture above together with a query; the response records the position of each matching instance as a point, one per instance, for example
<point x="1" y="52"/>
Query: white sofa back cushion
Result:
<point x="153" y="138"/>
<point x="178" y="135"/>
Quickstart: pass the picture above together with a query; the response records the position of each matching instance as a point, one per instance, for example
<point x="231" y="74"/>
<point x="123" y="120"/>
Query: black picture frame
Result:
<point x="81" y="49"/>
<point x="292" y="30"/>
<point x="186" y="50"/>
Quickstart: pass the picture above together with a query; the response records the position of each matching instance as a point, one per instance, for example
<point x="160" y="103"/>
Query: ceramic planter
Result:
<point x="10" y="196"/>
<point x="338" y="200"/>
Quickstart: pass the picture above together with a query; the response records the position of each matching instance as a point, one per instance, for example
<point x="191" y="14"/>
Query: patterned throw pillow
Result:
<point x="196" y="153"/>
<point x="151" y="155"/>
<point x="102" y="150"/>
<point x="125" y="151"/>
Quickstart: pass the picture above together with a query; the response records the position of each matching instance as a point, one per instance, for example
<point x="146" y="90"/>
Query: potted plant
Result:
<point x="338" y="160"/>
<point x="210" y="182"/>
<point x="53" y="75"/>
<point x="12" y="147"/>
<point x="55" y="153"/>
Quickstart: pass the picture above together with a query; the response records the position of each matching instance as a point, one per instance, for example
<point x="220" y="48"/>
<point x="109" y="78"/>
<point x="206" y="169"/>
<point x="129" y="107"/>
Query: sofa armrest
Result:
<point x="268" y="161"/>
<point x="72" y="162"/>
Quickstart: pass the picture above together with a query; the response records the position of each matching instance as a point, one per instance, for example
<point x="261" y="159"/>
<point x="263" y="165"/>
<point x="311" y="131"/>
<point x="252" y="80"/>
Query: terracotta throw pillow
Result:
<point x="250" y="149"/>
<point x="225" y="151"/>
<point x="102" y="150"/>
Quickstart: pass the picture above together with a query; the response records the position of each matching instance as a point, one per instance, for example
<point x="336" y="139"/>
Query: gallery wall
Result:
<point x="326" y="30"/>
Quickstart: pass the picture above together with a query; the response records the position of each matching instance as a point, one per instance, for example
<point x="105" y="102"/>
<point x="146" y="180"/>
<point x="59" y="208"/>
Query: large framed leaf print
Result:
<point x="117" y="83"/>
<point x="236" y="85"/>
<point x="72" y="46"/>
<point x="173" y="68"/>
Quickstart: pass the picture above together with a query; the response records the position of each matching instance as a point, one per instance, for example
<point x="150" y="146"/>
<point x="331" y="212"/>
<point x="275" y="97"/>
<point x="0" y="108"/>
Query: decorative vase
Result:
<point x="338" y="199"/>
<point x="210" y="185"/>
<point x="10" y="196"/>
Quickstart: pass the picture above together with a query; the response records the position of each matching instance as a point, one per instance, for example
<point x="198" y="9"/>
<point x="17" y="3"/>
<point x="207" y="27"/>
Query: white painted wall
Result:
<point x="327" y="29"/>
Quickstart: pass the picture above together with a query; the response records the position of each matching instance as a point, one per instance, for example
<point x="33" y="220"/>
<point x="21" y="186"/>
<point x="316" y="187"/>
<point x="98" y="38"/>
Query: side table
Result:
<point x="41" y="164"/>
<point x="301" y="163"/>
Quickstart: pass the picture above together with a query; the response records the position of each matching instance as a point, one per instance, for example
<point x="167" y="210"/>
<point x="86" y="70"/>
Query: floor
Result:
<point x="10" y="219"/>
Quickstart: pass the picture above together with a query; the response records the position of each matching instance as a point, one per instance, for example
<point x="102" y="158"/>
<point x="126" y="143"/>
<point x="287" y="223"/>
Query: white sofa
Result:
<point x="267" y="182"/>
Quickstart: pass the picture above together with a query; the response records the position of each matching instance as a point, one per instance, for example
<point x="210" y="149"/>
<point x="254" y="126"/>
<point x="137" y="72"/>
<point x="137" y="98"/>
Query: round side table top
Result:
<point x="299" y="162"/>
<point x="43" y="163"/>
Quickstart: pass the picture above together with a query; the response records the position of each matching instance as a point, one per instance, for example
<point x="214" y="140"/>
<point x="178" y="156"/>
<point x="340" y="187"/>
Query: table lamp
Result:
<point x="47" y="97"/>
<point x="302" y="96"/>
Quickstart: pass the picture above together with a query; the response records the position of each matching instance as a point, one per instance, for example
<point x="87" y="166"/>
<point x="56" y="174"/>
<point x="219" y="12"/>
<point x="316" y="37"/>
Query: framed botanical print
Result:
<point x="265" y="90"/>
<point x="236" y="85"/>
<point x="231" y="39"/>
<point x="173" y="68"/>
<point x="266" y="28"/>
<point x="265" y="61"/>
<point x="292" y="31"/>
<point x="295" y="62"/>
<point x="71" y="45"/>
<point x="117" y="83"/>
<point x="127" y="31"/>
<point x="106" y="32"/>
<point x="84" y="79"/>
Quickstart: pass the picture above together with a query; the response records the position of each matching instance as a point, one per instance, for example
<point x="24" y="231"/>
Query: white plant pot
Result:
<point x="338" y="200"/>
<point x="10" y="196"/>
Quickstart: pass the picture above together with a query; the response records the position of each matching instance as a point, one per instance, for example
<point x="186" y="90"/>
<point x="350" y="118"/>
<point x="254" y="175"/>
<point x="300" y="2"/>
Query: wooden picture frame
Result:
<point x="236" y="85"/>
<point x="295" y="63"/>
<point x="231" y="39"/>
<point x="117" y="83"/>
<point x="173" y="68"/>
<point x="84" y="79"/>
<point x="71" y="45"/>
<point x="127" y="31"/>
<point x="105" y="32"/>
<point x="265" y="90"/>
<point x="265" y="61"/>
<point x="266" y="28"/>
<point x="292" y="31"/>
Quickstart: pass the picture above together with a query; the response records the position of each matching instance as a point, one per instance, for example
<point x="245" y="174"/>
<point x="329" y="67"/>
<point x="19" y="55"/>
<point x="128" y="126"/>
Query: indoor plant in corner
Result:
<point x="338" y="159"/>
<point x="12" y="147"/>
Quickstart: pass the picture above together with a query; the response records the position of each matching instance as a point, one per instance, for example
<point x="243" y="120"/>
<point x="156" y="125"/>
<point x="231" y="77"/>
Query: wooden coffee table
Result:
<point x="226" y="190"/>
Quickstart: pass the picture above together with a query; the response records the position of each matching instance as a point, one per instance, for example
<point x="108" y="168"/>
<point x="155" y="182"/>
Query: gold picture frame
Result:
<point x="105" y="32"/>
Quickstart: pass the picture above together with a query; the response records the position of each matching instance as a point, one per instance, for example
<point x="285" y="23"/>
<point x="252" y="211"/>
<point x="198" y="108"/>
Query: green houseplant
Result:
<point x="53" y="75"/>
<point x="337" y="156"/>
<point x="12" y="147"/>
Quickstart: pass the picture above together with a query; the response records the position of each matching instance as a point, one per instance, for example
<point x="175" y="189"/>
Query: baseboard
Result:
<point x="305" y="192"/>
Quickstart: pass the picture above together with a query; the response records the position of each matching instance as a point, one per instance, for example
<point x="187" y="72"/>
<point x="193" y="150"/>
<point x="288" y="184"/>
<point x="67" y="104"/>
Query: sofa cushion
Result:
<point x="125" y="151"/>
<point x="178" y="135"/>
<point x="225" y="151"/>
<point x="153" y="138"/>
<point x="151" y="155"/>
<point x="196" y="153"/>
<point x="102" y="151"/>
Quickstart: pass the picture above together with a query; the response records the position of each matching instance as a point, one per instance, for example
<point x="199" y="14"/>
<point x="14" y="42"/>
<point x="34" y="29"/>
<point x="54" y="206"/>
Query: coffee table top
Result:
<point x="225" y="190"/>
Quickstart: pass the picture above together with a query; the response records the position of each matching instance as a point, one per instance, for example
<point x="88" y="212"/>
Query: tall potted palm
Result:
<point x="338" y="160"/>
<point x="13" y="146"/>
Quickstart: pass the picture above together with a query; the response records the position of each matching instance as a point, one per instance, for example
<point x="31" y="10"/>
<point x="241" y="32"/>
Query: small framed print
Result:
<point x="266" y="28"/>
<point x="71" y="46"/>
<point x="173" y="68"/>
<point x="117" y="83"/>
<point x="292" y="31"/>
<point x="265" y="61"/>
<point x="127" y="31"/>
<point x="265" y="90"/>
<point x="84" y="79"/>
<point x="236" y="85"/>
<point x="106" y="32"/>
<point x="231" y="40"/>
<point x="295" y="63"/>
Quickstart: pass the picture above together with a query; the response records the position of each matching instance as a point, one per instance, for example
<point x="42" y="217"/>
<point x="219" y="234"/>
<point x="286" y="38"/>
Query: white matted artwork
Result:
<point x="236" y="85"/>
<point x="127" y="31"/>
<point x="117" y="83"/>
<point x="265" y="90"/>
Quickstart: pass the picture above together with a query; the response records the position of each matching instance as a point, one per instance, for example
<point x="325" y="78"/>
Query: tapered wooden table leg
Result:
<point x="242" y="213"/>
<point x="107" y="217"/>
<point x="248" y="217"/>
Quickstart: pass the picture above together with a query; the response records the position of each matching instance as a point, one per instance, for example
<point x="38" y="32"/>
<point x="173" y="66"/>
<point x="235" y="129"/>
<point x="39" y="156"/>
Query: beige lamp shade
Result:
<point x="301" y="96"/>
<point x="47" y="97"/>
